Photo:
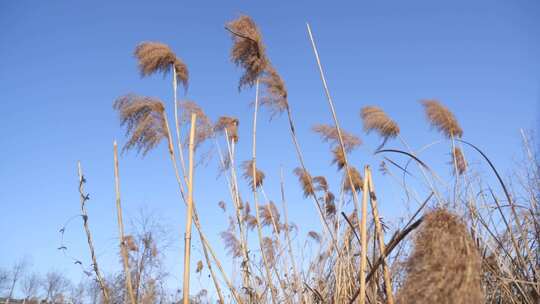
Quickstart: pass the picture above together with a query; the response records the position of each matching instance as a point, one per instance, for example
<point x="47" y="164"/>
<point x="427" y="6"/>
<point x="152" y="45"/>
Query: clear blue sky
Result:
<point x="64" y="62"/>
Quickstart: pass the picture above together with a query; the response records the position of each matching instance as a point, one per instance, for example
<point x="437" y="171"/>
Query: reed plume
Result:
<point x="459" y="160"/>
<point x="321" y="184"/>
<point x="315" y="236"/>
<point x="144" y="119"/>
<point x="356" y="178"/>
<point x="158" y="57"/>
<point x="248" y="49"/>
<point x="375" y="119"/>
<point x="275" y="97"/>
<point x="130" y="244"/>
<point x="445" y="266"/>
<point x="204" y="127"/>
<point x="270" y="215"/>
<point x="199" y="267"/>
<point x="306" y="181"/>
<point x="442" y="119"/>
<point x="330" y="134"/>
<point x="269" y="248"/>
<point x="248" y="174"/>
<point x="232" y="244"/>
<point x="229" y="124"/>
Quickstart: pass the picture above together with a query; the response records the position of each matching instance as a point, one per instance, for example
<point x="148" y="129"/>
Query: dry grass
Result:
<point x="144" y="120"/>
<point x="445" y="266"/>
<point x="442" y="119"/>
<point x="248" y="49"/>
<point x="158" y="57"/>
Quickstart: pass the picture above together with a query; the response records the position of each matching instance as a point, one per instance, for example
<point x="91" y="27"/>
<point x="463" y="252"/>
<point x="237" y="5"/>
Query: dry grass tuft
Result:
<point x="458" y="159"/>
<point x="144" y="118"/>
<point x="445" y="266"/>
<point x="158" y="57"/>
<point x="248" y="50"/>
<point x="442" y="119"/>
<point x="248" y="174"/>
<point x="306" y="181"/>
<point x="329" y="134"/>
<point x="230" y="124"/>
<point x="204" y="129"/>
<point x="357" y="180"/>
<point x="276" y="92"/>
<point x="375" y="119"/>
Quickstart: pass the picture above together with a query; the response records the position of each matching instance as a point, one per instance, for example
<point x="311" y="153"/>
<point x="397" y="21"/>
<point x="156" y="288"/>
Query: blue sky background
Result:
<point x="63" y="63"/>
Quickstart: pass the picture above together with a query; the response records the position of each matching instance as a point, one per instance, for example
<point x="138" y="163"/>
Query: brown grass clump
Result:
<point x="232" y="244"/>
<point x="158" y="57"/>
<point x="276" y="92"/>
<point x="329" y="134"/>
<point x="306" y="181"/>
<point x="444" y="266"/>
<point x="204" y="129"/>
<point x="375" y="119"/>
<point x="248" y="50"/>
<point x="357" y="180"/>
<point x="248" y="174"/>
<point x="144" y="119"/>
<point x="458" y="159"/>
<point x="230" y="124"/>
<point x="442" y="119"/>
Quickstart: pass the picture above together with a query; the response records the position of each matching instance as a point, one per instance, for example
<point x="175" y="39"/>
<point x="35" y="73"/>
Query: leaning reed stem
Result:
<point x="84" y="198"/>
<point x="189" y="213"/>
<point x="123" y="249"/>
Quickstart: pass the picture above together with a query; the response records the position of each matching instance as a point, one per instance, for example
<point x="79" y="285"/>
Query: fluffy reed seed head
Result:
<point x="306" y="181"/>
<point x="204" y="128"/>
<point x="275" y="97"/>
<point x="248" y="174"/>
<point x="230" y="124"/>
<point x="269" y="246"/>
<point x="232" y="244"/>
<point x="330" y="134"/>
<point x="144" y="118"/>
<point x="314" y="235"/>
<point x="445" y="266"/>
<point x="269" y="214"/>
<point x="248" y="49"/>
<point x="199" y="267"/>
<point x="130" y="244"/>
<point x="339" y="157"/>
<point x="442" y="119"/>
<point x="158" y="57"/>
<point x="321" y="184"/>
<point x="357" y="180"/>
<point x="458" y="160"/>
<point x="375" y="119"/>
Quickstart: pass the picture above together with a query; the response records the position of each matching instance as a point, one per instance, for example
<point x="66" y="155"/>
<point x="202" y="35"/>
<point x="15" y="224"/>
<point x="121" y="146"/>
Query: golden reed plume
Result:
<point x="144" y="120"/>
<point x="248" y="50"/>
<point x="248" y="174"/>
<point x="230" y="124"/>
<point x="442" y="119"/>
<point x="158" y="57"/>
<point x="275" y="97"/>
<point x="375" y="119"/>
<point x="445" y="266"/>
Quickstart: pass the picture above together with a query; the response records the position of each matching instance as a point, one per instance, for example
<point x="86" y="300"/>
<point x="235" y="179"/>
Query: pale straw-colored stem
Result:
<point x="177" y="123"/>
<point x="189" y="213"/>
<point x="363" y="239"/>
<point x="380" y="238"/>
<point x="123" y="249"/>
<point x="84" y="198"/>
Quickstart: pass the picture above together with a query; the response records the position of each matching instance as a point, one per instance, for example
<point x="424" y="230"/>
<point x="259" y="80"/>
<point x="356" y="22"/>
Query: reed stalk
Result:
<point x="123" y="249"/>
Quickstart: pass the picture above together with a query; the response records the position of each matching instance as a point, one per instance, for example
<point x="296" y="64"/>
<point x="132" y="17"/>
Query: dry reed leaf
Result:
<point x="232" y="244"/>
<point x="442" y="119"/>
<point x="375" y="119"/>
<point x="305" y="181"/>
<point x="458" y="160"/>
<point x="248" y="49"/>
<point x="357" y="180"/>
<point x="275" y="97"/>
<point x="204" y="128"/>
<point x="230" y="124"/>
<point x="445" y="266"/>
<point x="158" y="57"/>
<point x="144" y="118"/>
<point x="329" y="134"/>
<point x="248" y="174"/>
